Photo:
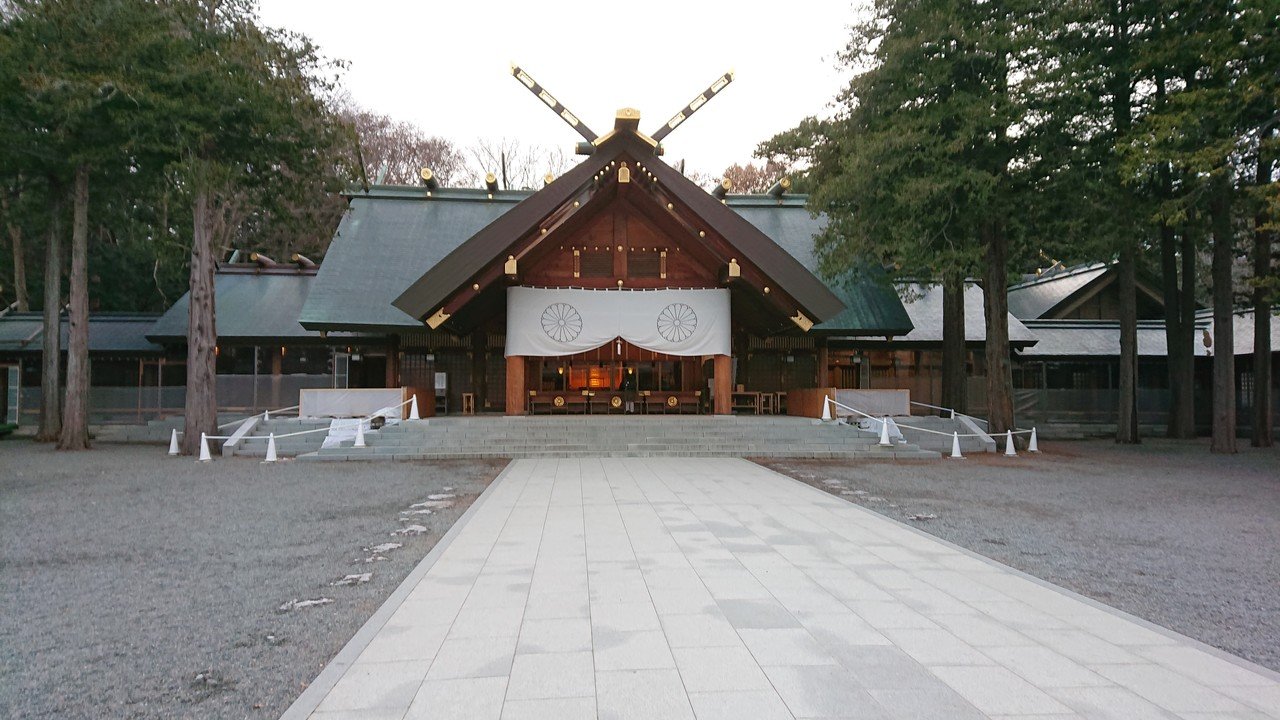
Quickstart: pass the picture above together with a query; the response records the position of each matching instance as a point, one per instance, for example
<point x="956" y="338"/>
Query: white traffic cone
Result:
<point x="271" y="449"/>
<point x="826" y="408"/>
<point x="1033" y="446"/>
<point x="359" y="433"/>
<point x="173" y="443"/>
<point x="1009" y="451"/>
<point x="955" y="446"/>
<point x="413" y="408"/>
<point x="266" y="415"/>
<point x="204" y="449"/>
<point x="884" y="432"/>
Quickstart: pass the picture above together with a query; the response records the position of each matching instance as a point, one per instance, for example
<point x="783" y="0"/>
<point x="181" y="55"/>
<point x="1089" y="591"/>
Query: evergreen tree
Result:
<point x="914" y="172"/>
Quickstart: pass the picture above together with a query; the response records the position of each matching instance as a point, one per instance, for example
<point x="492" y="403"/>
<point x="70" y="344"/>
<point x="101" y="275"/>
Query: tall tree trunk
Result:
<point x="1224" y="365"/>
<point x="21" y="299"/>
<point x="1263" y="418"/>
<point x="75" y="409"/>
<point x="1179" y="397"/>
<point x="1126" y="269"/>
<point x="51" y="362"/>
<point x="1127" y="412"/>
<point x="202" y="404"/>
<point x="1179" y="331"/>
<point x="996" y="306"/>
<point x="954" y="354"/>
<point x="1188" y="307"/>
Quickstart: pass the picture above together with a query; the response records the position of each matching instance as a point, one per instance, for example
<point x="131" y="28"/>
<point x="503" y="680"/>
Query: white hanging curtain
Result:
<point x="548" y="322"/>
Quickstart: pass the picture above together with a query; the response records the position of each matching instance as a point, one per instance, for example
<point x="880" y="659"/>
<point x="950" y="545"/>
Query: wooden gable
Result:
<point x="619" y="244"/>
<point x="600" y="225"/>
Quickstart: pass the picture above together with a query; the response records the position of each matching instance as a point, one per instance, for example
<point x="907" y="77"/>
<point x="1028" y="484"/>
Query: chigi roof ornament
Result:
<point x="627" y="119"/>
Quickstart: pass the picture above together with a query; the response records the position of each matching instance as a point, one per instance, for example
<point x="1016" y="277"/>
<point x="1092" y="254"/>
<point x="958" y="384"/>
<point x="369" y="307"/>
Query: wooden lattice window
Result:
<point x="595" y="264"/>
<point x="647" y="264"/>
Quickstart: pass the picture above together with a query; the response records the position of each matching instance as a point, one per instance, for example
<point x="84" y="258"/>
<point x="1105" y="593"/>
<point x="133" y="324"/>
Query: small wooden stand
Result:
<point x="468" y="403"/>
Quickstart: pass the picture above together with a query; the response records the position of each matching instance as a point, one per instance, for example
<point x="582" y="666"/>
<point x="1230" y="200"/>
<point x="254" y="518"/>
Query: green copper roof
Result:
<point x="109" y="333"/>
<point x="871" y="307"/>
<point x="391" y="236"/>
<point x="248" y="307"/>
<point x="386" y="241"/>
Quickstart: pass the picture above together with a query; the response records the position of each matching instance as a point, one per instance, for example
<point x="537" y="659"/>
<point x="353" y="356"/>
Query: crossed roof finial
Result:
<point x="576" y="123"/>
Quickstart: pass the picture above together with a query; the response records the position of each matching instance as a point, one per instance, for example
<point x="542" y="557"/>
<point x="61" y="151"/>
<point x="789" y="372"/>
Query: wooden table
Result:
<point x="747" y="401"/>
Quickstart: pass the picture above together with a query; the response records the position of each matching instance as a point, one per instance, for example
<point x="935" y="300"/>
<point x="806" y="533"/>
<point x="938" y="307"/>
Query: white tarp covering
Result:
<point x="548" y="322"/>
<point x="877" y="402"/>
<point x="351" y="402"/>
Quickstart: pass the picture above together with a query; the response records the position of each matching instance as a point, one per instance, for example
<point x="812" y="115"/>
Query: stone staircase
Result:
<point x="602" y="436"/>
<point x="285" y="446"/>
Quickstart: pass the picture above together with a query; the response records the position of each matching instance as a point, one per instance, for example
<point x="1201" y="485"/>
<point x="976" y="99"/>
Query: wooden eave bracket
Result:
<point x="435" y="321"/>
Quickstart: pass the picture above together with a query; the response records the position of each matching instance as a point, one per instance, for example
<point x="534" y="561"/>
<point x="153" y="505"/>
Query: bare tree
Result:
<point x="518" y="166"/>
<point x="752" y="178"/>
<point x="403" y="149"/>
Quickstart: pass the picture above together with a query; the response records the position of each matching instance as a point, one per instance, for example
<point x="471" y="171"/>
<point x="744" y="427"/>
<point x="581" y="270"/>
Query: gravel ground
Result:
<point x="134" y="585"/>
<point x="1165" y="531"/>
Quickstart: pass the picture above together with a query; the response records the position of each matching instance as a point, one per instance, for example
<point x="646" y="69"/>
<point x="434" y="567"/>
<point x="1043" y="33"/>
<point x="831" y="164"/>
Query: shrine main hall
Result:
<point x="620" y="285"/>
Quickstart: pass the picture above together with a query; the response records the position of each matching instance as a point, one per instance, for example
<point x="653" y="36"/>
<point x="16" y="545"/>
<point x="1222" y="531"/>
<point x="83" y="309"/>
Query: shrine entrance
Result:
<point x="607" y="378"/>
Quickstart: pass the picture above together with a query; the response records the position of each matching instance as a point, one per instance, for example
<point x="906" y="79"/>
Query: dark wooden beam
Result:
<point x="551" y="102"/>
<point x="712" y="90"/>
<point x="565" y="220"/>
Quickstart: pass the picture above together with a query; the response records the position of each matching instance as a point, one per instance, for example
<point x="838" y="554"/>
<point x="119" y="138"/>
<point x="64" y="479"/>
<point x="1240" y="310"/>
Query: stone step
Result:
<point x="896" y="454"/>
<point x="578" y="437"/>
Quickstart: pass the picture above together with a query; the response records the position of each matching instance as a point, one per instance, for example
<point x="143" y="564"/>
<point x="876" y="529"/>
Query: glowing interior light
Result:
<point x="697" y="102"/>
<point x="673" y="122"/>
<point x="568" y="116"/>
<point x="528" y="81"/>
<point x="546" y="98"/>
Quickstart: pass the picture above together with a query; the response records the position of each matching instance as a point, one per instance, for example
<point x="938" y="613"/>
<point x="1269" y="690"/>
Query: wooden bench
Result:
<point x="674" y="402"/>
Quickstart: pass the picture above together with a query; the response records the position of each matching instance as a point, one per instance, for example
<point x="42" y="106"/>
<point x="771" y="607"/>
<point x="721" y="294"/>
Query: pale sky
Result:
<point x="445" y="65"/>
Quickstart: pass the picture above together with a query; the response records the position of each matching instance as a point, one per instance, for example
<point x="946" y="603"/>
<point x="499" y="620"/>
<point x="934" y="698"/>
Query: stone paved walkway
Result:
<point x="692" y="588"/>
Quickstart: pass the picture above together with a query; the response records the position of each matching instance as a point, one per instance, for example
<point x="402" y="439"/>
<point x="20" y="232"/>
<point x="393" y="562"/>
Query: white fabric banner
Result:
<point x="548" y="322"/>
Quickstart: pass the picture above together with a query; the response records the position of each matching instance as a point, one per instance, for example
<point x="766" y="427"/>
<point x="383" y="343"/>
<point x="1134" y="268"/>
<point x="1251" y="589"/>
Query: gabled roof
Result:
<point x="249" y="306"/>
<point x="494" y="242"/>
<point x="387" y="239"/>
<point x="1035" y="298"/>
<point x="109" y="333"/>
<point x="1242" y="329"/>
<point x="923" y="304"/>
<point x="756" y="246"/>
<point x="1097" y="339"/>
<point x="391" y="235"/>
<point x="491" y="242"/>
<point x="871" y="306"/>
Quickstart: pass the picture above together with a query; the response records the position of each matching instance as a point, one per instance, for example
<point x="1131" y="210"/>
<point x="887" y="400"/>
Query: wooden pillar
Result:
<point x="393" y="364"/>
<point x="517" y="398"/>
<point x="723" y="370"/>
<point x="480" y="367"/>
<point x="741" y="350"/>
<point x="824" y="362"/>
<point x="277" y="370"/>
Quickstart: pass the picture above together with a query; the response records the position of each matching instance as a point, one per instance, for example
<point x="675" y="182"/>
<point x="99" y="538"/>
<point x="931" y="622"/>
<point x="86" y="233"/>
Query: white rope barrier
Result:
<point x="950" y="411"/>
<point x="266" y="415"/>
<point x="271" y="438"/>
<point x="839" y="404"/>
